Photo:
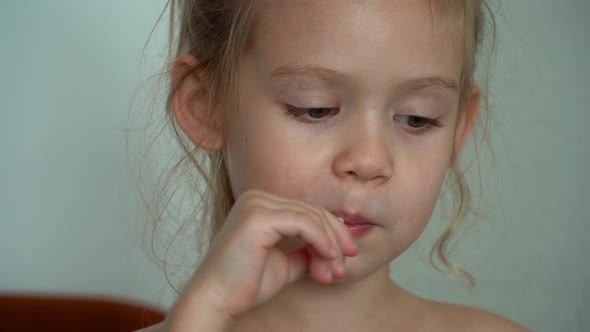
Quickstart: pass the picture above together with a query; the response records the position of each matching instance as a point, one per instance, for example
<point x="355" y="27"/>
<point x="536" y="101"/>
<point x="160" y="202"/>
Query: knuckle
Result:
<point x="320" y="213"/>
<point x="249" y="195"/>
<point x="312" y="210"/>
<point x="298" y="216"/>
<point x="251" y="214"/>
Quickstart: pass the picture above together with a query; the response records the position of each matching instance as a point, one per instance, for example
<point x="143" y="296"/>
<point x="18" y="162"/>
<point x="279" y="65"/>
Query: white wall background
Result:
<point x="68" y="212"/>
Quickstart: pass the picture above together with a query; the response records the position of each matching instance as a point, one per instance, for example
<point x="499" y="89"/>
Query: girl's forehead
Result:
<point x="364" y="38"/>
<point x="438" y="16"/>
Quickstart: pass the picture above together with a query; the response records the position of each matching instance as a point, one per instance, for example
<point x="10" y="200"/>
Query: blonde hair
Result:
<point x="218" y="33"/>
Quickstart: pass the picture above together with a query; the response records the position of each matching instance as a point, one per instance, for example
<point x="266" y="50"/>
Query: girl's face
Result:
<point x="351" y="106"/>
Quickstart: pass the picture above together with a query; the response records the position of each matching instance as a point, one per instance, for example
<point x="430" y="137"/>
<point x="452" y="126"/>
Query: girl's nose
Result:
<point x="367" y="158"/>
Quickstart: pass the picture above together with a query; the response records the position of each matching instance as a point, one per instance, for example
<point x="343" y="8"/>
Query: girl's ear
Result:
<point x="466" y="119"/>
<point x="191" y="105"/>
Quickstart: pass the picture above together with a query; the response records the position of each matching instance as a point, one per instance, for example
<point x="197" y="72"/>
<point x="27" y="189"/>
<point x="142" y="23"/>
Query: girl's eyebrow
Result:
<point x="337" y="77"/>
<point x="312" y="72"/>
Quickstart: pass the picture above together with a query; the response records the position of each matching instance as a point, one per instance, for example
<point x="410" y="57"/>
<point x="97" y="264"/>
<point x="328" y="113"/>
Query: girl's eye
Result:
<point x="418" y="124"/>
<point x="310" y="115"/>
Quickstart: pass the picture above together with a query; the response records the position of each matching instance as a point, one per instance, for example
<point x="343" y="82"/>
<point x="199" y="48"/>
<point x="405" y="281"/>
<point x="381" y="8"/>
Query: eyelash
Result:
<point x="429" y="123"/>
<point x="299" y="113"/>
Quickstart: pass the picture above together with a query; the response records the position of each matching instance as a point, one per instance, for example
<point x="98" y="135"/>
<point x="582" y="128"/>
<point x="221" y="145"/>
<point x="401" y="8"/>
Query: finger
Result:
<point x="321" y="269"/>
<point x="302" y="261"/>
<point x="337" y="265"/>
<point x="298" y="262"/>
<point x="278" y="203"/>
<point x="276" y="209"/>
<point x="339" y="235"/>
<point x="320" y="217"/>
<point x="295" y="223"/>
<point x="345" y="239"/>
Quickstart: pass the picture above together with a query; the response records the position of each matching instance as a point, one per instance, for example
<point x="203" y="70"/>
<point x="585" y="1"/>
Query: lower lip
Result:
<point x="358" y="230"/>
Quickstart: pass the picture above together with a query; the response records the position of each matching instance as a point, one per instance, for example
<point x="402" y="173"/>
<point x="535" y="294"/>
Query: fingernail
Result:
<point x="328" y="274"/>
<point x="333" y="252"/>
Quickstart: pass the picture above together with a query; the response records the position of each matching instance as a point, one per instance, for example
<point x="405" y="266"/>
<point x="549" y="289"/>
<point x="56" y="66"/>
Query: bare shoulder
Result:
<point x="463" y="318"/>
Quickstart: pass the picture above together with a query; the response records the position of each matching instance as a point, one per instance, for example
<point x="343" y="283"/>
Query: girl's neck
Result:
<point x="365" y="305"/>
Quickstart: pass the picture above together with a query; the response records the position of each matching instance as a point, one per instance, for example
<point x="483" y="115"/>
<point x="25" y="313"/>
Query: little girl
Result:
<point x="329" y="126"/>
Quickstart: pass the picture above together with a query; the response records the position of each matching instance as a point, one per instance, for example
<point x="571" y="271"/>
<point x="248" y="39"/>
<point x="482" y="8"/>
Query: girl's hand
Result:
<point x="247" y="263"/>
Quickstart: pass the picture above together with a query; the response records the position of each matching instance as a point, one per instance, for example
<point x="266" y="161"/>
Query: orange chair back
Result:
<point x="23" y="313"/>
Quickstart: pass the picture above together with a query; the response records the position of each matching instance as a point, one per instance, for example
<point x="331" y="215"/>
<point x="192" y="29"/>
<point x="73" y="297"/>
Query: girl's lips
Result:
<point x="358" y="230"/>
<point x="356" y="223"/>
<point x="352" y="218"/>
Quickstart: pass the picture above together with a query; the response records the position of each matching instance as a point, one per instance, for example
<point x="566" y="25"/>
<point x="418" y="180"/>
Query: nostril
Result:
<point x="350" y="173"/>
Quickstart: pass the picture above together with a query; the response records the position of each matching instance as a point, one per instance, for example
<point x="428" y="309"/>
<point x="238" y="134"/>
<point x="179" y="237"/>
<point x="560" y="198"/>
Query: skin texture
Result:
<point x="363" y="159"/>
<point x="360" y="153"/>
